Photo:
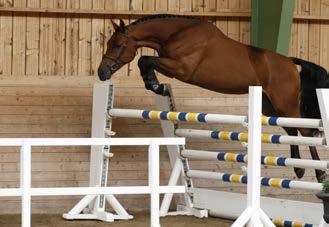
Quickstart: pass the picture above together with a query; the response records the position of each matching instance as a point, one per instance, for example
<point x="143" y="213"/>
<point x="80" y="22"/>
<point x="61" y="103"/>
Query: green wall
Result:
<point x="271" y="24"/>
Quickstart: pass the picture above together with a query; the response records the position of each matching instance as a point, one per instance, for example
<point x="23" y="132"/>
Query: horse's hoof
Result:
<point x="320" y="175"/>
<point x="299" y="172"/>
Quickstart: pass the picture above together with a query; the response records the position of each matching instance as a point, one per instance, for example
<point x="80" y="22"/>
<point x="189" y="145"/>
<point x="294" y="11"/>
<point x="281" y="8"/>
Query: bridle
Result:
<point x="116" y="59"/>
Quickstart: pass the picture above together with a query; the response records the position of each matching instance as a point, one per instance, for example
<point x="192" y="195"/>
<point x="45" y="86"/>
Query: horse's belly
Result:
<point x="224" y="79"/>
<point x="226" y="68"/>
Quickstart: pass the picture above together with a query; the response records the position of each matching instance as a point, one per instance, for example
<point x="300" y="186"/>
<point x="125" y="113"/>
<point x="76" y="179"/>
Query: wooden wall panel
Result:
<point x="133" y="69"/>
<point x="58" y="67"/>
<point x="46" y="41"/>
<point x="59" y="46"/>
<point x="19" y="41"/>
<point x="97" y="37"/>
<point x="122" y="5"/>
<point x="6" y="42"/>
<point x="84" y="65"/>
<point x="72" y="40"/>
<point x="324" y="56"/>
<point x="314" y="32"/>
<point x="32" y="40"/>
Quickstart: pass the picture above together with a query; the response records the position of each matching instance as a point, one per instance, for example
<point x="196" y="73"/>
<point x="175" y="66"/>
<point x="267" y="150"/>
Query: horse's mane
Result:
<point x="161" y="16"/>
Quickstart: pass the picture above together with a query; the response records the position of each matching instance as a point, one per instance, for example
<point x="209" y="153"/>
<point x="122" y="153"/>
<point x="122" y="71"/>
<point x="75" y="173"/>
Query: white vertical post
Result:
<point x="102" y="97"/>
<point x="154" y="183"/>
<point x="253" y="215"/>
<point x="25" y="181"/>
<point x="323" y="98"/>
<point x="254" y="147"/>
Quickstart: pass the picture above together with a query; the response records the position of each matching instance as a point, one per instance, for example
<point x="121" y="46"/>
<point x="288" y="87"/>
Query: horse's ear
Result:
<point x="115" y="26"/>
<point x="122" y="26"/>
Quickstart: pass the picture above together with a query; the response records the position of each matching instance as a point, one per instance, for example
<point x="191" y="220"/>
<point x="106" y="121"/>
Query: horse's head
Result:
<point x="121" y="49"/>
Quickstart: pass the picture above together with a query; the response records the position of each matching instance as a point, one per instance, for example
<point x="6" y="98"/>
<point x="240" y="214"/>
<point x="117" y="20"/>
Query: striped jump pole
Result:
<point x="265" y="181"/>
<point x="243" y="137"/>
<point x="178" y="116"/>
<point x="265" y="160"/>
<point x="283" y="223"/>
<point x="213" y="118"/>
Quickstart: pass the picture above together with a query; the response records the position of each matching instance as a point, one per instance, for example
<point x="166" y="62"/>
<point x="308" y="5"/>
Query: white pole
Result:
<point x="291" y="162"/>
<point x="254" y="147"/>
<point x="26" y="184"/>
<point x="82" y="204"/>
<point x="251" y="216"/>
<point x="154" y="183"/>
<point x="323" y="97"/>
<point x="281" y="139"/>
<point x="243" y="218"/>
<point x="175" y="174"/>
<point x="254" y="154"/>
<point x="213" y="118"/>
<point x="117" y="207"/>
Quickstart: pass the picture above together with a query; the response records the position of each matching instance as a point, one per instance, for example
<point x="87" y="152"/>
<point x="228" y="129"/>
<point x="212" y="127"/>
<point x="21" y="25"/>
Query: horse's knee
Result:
<point x="142" y="61"/>
<point x="145" y="63"/>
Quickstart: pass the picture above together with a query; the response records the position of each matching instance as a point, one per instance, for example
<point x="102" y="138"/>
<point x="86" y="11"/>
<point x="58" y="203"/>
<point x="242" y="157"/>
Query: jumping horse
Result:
<point x="197" y="52"/>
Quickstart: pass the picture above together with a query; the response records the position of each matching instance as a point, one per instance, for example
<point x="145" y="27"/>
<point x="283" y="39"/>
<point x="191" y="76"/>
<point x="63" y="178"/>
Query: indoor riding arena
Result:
<point x="179" y="113"/>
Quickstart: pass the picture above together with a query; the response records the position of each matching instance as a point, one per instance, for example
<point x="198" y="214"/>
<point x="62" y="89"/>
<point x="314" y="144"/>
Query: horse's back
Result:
<point x="219" y="63"/>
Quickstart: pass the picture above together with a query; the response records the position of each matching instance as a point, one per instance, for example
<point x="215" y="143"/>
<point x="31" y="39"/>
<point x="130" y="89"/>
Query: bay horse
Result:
<point x="197" y="52"/>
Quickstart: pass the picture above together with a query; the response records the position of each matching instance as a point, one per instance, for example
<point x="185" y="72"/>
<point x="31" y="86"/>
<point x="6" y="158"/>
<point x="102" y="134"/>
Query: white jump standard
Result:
<point x="230" y="205"/>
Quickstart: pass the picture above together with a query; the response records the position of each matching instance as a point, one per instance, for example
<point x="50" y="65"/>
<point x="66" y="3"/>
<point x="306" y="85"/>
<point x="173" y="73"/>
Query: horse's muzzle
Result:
<point x="104" y="73"/>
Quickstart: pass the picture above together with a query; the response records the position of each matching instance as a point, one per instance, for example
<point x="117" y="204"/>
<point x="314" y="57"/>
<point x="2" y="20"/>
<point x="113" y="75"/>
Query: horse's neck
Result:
<point x="155" y="33"/>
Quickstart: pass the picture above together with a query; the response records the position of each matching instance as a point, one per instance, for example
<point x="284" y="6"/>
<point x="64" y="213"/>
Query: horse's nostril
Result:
<point x="104" y="73"/>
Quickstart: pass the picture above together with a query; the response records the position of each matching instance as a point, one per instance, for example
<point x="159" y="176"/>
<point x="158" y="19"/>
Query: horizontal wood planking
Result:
<point x="72" y="44"/>
<point x="126" y="13"/>
<point x="221" y="13"/>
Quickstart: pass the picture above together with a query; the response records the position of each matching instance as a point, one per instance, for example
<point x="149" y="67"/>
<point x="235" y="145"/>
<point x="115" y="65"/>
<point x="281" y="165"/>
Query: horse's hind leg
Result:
<point x="294" y="151"/>
<point x="269" y="110"/>
<point x="291" y="109"/>
<point x="320" y="174"/>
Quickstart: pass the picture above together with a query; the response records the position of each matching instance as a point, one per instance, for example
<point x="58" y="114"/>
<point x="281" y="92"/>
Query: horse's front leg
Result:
<point x="147" y="66"/>
<point x="166" y="66"/>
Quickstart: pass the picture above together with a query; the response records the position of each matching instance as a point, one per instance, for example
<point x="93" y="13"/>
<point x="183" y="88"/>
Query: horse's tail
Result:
<point x="312" y="76"/>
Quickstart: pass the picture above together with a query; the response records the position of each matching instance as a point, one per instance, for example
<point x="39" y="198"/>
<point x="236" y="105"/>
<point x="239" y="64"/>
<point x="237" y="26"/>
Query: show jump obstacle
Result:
<point x="100" y="154"/>
<point x="199" y="202"/>
<point x="26" y="191"/>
